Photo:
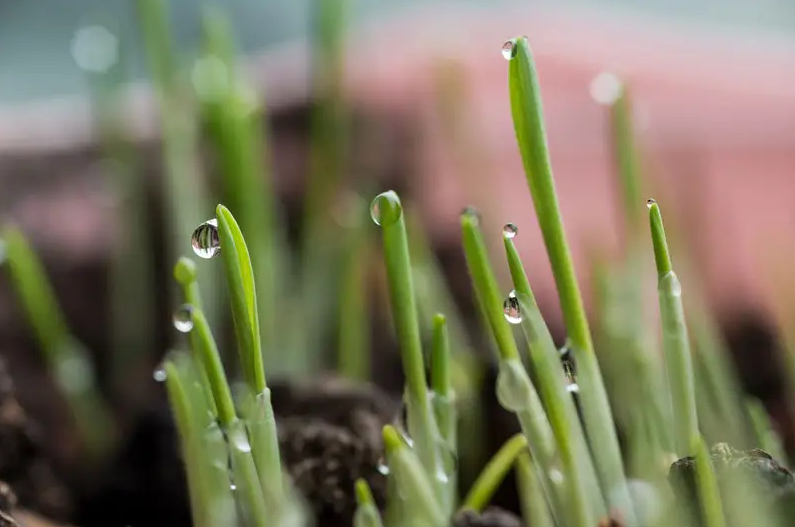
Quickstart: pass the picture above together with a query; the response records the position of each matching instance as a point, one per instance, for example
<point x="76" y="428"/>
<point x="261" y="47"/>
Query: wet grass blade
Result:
<point x="444" y="410"/>
<point x="494" y="473"/>
<point x="515" y="391"/>
<point x="366" y="514"/>
<point x="412" y="480"/>
<point x="387" y="211"/>
<point x="67" y="360"/>
<point x="531" y="137"/>
<point x="584" y="501"/>
<point x="676" y="343"/>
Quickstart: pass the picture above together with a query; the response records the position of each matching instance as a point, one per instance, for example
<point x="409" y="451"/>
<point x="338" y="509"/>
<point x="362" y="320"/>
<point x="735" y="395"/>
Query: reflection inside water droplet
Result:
<point x="509" y="49"/>
<point x="183" y="318"/>
<point x="510" y="230"/>
<point x="511" y="310"/>
<point x="205" y="240"/>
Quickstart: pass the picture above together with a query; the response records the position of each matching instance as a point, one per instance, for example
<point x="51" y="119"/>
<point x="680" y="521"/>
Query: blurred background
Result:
<point x="422" y="88"/>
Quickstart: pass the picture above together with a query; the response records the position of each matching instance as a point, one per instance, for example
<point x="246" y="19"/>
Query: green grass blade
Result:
<point x="366" y="514"/>
<point x="584" y="491"/>
<point x="411" y="479"/>
<point x="494" y="473"/>
<point x="243" y="298"/>
<point x="67" y="360"/>
<point x="261" y="423"/>
<point x="707" y="486"/>
<point x="248" y="489"/>
<point x="528" y="121"/>
<point x="676" y="343"/>
<point x="531" y="496"/>
<point x="444" y="408"/>
<point x="387" y="212"/>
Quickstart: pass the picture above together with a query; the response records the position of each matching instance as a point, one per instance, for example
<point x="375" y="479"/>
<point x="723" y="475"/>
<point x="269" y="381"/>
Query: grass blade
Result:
<point x="444" y="409"/>
<point x="528" y="121"/>
<point x="707" y="486"/>
<point x="366" y="514"/>
<point x="387" y="212"/>
<point x="67" y="359"/>
<point x="493" y="473"/>
<point x="676" y="343"/>
<point x="531" y="496"/>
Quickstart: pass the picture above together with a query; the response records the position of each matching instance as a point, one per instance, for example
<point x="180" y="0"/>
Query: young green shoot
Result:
<point x="412" y="480"/>
<point x="676" y="343"/>
<point x="67" y="359"/>
<point x="387" y="211"/>
<point x="515" y="391"/>
<point x="585" y="503"/>
<point x="707" y="485"/>
<point x="494" y="473"/>
<point x="444" y="408"/>
<point x="526" y="109"/>
<point x="366" y="514"/>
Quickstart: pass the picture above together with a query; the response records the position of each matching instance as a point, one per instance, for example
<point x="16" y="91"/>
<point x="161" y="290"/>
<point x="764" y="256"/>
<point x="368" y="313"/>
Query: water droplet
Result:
<point x="382" y="467"/>
<point x="183" y="318"/>
<point x="74" y="373"/>
<point x="386" y="209"/>
<point x="571" y="379"/>
<point x="509" y="49"/>
<point x="606" y="88"/>
<point x="471" y="212"/>
<point x="510" y="230"/>
<point x="159" y="374"/>
<point x="556" y="476"/>
<point x="239" y="439"/>
<point x="94" y="48"/>
<point x="514" y="390"/>
<point x="448" y="461"/>
<point x="511" y="309"/>
<point x="650" y="202"/>
<point x="205" y="240"/>
<point x="671" y="284"/>
<point x="232" y="487"/>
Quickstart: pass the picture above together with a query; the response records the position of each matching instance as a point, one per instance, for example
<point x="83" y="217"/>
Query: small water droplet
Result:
<point x="472" y="212"/>
<point x="509" y="49"/>
<point x="650" y="202"/>
<point x="556" y="476"/>
<point x="386" y="209"/>
<point x="183" y="318"/>
<point x="74" y="373"/>
<point x="159" y="374"/>
<point x="606" y="88"/>
<point x="510" y="230"/>
<point x="239" y="439"/>
<point x="383" y="468"/>
<point x="232" y="487"/>
<point x="511" y="309"/>
<point x="571" y="379"/>
<point x="205" y="240"/>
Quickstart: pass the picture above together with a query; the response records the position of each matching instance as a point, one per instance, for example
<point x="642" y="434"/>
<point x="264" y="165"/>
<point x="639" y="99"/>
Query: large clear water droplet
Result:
<point x="650" y="202"/>
<point x="509" y="49"/>
<point x="511" y="309"/>
<point x="513" y="386"/>
<point x="183" y="318"/>
<point x="205" y="240"/>
<point x="386" y="209"/>
<point x="509" y="230"/>
<point x="159" y="374"/>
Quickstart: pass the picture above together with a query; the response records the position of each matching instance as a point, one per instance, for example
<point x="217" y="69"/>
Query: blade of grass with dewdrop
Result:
<point x="234" y="122"/>
<point x="184" y="191"/>
<point x="578" y="469"/>
<point x="444" y="410"/>
<point x="535" y="510"/>
<point x="243" y="300"/>
<point x="388" y="213"/>
<point x="131" y="270"/>
<point x="353" y="349"/>
<point x="412" y="480"/>
<point x="676" y="343"/>
<point x="515" y="391"/>
<point x="531" y="137"/>
<point x="494" y="473"/>
<point x="366" y="514"/>
<point x="205" y="454"/>
<point x="67" y="360"/>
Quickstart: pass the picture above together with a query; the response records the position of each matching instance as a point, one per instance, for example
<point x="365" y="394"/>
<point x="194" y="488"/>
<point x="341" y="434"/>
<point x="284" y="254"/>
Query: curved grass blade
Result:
<point x="676" y="343"/>
<point x="527" y="113"/>
<point x="67" y="360"/>
<point x="494" y="473"/>
<point x="366" y="514"/>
